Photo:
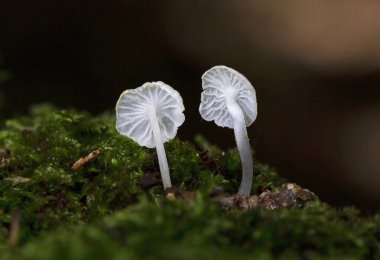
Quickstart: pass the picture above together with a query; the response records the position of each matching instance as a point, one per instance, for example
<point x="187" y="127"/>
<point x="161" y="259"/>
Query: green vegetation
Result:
<point x="101" y="210"/>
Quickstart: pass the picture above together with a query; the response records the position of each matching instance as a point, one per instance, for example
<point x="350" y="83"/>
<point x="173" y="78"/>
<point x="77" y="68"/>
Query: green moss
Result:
<point x="38" y="181"/>
<point x="99" y="211"/>
<point x="183" y="230"/>
<point x="43" y="147"/>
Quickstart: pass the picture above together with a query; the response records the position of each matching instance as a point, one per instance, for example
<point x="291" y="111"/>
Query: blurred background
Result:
<point x="315" y="66"/>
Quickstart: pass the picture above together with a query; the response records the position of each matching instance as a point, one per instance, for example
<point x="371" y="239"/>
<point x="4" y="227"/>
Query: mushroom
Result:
<point x="150" y="115"/>
<point x="229" y="99"/>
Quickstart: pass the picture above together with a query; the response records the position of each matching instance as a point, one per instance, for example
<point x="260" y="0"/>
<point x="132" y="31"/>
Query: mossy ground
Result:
<point x="100" y="212"/>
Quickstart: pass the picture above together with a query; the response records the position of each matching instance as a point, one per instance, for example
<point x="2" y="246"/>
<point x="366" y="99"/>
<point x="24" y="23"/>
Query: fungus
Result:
<point x="150" y="115"/>
<point x="229" y="99"/>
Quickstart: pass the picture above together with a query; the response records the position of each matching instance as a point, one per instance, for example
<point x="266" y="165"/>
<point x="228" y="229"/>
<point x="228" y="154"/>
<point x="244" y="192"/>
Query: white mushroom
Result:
<point x="229" y="99"/>
<point x="151" y="115"/>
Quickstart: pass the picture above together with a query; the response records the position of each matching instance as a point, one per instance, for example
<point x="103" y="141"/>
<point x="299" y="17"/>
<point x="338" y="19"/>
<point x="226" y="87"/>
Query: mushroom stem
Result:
<point x="242" y="141"/>
<point x="162" y="160"/>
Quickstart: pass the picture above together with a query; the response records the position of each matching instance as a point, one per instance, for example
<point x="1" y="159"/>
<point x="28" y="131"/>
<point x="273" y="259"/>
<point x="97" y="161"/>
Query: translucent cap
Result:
<point x="221" y="84"/>
<point x="132" y="112"/>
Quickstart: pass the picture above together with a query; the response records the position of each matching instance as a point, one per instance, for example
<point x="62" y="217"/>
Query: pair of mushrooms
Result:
<point x="152" y="113"/>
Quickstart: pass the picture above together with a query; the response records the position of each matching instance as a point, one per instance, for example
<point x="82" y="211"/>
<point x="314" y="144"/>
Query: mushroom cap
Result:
<point x="221" y="83"/>
<point x="132" y="112"/>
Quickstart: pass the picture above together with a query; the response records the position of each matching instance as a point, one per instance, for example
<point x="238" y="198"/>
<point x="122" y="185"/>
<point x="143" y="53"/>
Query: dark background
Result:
<point x="315" y="67"/>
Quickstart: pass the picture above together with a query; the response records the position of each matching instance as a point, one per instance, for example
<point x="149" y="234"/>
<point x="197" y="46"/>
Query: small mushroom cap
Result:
<point x="221" y="83"/>
<point x="132" y="112"/>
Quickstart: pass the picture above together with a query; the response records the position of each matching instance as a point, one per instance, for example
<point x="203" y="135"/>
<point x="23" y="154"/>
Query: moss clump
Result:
<point x="100" y="211"/>
<point x="38" y="181"/>
<point x="183" y="230"/>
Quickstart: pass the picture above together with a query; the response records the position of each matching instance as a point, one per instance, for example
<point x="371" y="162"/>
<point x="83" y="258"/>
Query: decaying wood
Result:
<point x="84" y="160"/>
<point x="290" y="195"/>
<point x="172" y="193"/>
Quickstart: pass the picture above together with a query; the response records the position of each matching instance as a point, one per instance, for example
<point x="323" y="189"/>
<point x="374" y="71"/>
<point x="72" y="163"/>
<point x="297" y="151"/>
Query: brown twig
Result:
<point x="14" y="231"/>
<point x="84" y="160"/>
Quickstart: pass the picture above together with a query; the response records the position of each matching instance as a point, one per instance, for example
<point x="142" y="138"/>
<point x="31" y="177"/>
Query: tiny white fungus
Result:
<point x="150" y="115"/>
<point x="229" y="99"/>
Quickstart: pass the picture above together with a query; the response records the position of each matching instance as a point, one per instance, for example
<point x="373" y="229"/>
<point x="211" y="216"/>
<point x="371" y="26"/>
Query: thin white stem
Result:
<point x="244" y="148"/>
<point x="162" y="160"/>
